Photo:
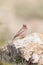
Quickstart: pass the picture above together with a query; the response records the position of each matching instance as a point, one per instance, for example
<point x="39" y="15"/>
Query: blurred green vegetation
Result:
<point x="2" y="43"/>
<point x="5" y="63"/>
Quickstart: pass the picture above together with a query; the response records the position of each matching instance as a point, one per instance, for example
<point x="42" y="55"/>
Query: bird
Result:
<point x="22" y="32"/>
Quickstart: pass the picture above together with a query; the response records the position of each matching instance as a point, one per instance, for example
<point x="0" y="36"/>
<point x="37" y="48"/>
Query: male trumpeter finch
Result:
<point x="22" y="32"/>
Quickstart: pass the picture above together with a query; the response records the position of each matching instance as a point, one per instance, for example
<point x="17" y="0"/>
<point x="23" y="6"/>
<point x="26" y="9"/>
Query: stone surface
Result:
<point x="29" y="47"/>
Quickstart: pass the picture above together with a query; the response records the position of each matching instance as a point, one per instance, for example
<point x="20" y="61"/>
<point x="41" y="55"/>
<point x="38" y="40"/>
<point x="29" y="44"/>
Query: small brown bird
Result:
<point x="22" y="32"/>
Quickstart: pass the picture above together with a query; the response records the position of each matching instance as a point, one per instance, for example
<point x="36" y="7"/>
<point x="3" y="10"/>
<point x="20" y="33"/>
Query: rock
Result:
<point x="40" y="60"/>
<point x="30" y="46"/>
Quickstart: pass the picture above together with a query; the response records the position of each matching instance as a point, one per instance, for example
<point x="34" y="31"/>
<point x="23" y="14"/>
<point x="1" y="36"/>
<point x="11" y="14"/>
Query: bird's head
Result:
<point x="25" y="26"/>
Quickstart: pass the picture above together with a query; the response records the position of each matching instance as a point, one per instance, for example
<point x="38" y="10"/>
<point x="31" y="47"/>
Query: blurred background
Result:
<point x="15" y="13"/>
